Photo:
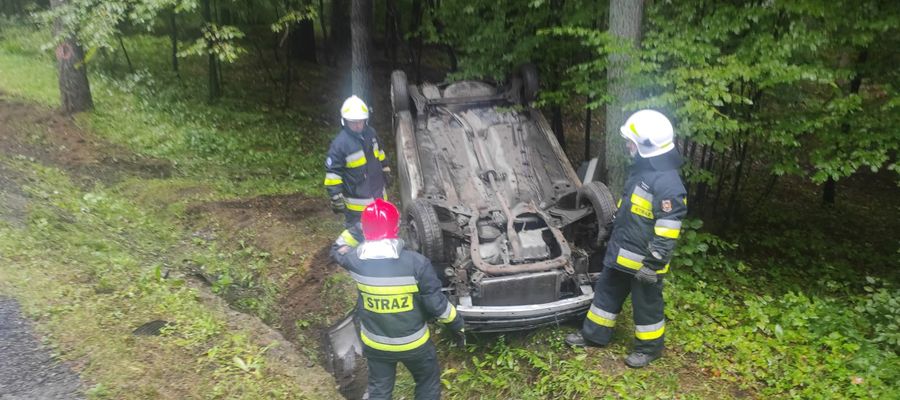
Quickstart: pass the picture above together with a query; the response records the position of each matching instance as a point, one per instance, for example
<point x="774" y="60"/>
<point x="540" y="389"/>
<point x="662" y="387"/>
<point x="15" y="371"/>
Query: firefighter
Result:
<point x="398" y="293"/>
<point x="645" y="230"/>
<point x="356" y="172"/>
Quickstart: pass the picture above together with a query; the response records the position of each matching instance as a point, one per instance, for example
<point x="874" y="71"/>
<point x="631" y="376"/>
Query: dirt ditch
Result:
<point x="295" y="230"/>
<point x="314" y="293"/>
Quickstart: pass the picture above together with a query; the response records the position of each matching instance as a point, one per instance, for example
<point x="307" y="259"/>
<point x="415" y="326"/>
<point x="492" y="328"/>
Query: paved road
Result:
<point x="27" y="371"/>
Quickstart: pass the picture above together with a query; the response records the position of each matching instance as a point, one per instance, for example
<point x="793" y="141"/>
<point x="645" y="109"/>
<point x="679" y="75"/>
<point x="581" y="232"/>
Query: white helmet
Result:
<point x="354" y="109"/>
<point x="651" y="131"/>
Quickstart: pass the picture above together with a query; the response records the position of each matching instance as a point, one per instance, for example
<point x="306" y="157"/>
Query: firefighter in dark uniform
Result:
<point x="645" y="230"/>
<point x="398" y="293"/>
<point x="356" y="172"/>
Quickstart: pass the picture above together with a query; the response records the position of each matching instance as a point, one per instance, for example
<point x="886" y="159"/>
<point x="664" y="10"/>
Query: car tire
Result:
<point x="423" y="231"/>
<point x="399" y="92"/>
<point x="601" y="200"/>
<point x="530" y="83"/>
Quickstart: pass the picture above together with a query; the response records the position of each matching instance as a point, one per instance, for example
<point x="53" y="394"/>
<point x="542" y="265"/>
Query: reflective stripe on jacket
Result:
<point x="648" y="222"/>
<point x="397" y="297"/>
<point x="353" y="167"/>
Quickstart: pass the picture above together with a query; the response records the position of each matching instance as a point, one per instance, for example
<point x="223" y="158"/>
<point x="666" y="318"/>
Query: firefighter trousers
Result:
<point x="610" y="292"/>
<point x="352" y="225"/>
<point x="422" y="363"/>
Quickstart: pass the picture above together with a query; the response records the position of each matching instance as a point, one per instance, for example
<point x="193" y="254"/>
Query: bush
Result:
<point x="751" y="323"/>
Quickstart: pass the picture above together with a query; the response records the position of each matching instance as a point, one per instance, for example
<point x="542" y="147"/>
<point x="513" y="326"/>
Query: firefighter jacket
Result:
<point x="399" y="293"/>
<point x="353" y="167"/>
<point x="648" y="221"/>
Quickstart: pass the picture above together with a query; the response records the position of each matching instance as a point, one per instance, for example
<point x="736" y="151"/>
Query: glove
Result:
<point x="388" y="178"/>
<point x="645" y="275"/>
<point x="337" y="203"/>
<point x="459" y="338"/>
<point x="609" y="228"/>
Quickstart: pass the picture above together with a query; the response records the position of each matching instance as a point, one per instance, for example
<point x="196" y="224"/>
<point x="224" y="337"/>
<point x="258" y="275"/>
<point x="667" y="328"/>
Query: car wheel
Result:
<point x="399" y="92"/>
<point x="530" y="83"/>
<point x="601" y="200"/>
<point x="423" y="231"/>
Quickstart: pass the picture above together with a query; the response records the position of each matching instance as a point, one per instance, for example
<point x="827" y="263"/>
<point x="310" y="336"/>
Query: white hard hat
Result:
<point x="651" y="131"/>
<point x="354" y="109"/>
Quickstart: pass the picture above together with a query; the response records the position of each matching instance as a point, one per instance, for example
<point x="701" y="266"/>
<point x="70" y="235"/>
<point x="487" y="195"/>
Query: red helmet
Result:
<point x="380" y="220"/>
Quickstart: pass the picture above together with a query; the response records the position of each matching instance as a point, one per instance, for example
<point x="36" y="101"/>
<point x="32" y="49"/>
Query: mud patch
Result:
<point x="42" y="135"/>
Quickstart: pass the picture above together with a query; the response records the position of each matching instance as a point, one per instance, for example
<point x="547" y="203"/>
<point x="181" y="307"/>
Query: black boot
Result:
<point x="640" y="360"/>
<point x="577" y="340"/>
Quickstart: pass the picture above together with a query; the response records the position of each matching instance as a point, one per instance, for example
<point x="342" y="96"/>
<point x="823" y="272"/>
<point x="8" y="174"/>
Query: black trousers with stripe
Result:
<point x="351" y="224"/>
<point x="610" y="292"/>
<point x="422" y="363"/>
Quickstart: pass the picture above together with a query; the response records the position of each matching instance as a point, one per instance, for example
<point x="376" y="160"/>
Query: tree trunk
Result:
<point x="288" y="77"/>
<point x="557" y="125"/>
<point x="74" y="89"/>
<point x="734" y="199"/>
<point x="392" y="31"/>
<point x="340" y="31"/>
<point x="699" y="199"/>
<point x="451" y="54"/>
<point x="303" y="40"/>
<point x="587" y="132"/>
<point x="415" y="38"/>
<point x="361" y="33"/>
<point x="125" y="52"/>
<point x="625" y="25"/>
<point x="173" y="37"/>
<point x="830" y="191"/>
<point x="326" y="48"/>
<point x="213" y="69"/>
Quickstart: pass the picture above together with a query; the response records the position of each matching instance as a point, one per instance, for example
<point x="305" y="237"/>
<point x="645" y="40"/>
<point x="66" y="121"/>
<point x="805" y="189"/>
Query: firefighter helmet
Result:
<point x="354" y="109"/>
<point x="651" y="131"/>
<point x="380" y="220"/>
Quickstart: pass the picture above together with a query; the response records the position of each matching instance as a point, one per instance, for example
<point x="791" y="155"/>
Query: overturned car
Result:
<point x="490" y="197"/>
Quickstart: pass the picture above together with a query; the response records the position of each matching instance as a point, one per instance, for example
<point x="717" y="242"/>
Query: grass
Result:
<point x="25" y="71"/>
<point x="90" y="263"/>
<point x="90" y="268"/>
<point x="30" y="79"/>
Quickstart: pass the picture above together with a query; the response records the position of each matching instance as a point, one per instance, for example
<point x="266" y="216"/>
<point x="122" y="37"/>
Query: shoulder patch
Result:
<point x="666" y="205"/>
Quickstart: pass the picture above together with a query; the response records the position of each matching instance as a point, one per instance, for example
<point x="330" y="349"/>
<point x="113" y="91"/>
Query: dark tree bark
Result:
<point x="415" y="40"/>
<point x="733" y="200"/>
<point x="74" y="89"/>
<point x="699" y="199"/>
<point x="451" y="54"/>
<point x="393" y="32"/>
<point x="587" y="132"/>
<point x="262" y="61"/>
<point x="173" y="37"/>
<point x="326" y="48"/>
<point x="125" y="52"/>
<point x="288" y="78"/>
<point x="557" y="125"/>
<point x="340" y="31"/>
<point x="361" y="68"/>
<point x="830" y="191"/>
<point x="303" y="40"/>
<point x="215" y="90"/>
<point x="625" y="25"/>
